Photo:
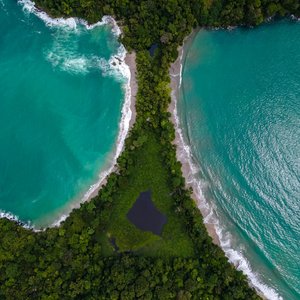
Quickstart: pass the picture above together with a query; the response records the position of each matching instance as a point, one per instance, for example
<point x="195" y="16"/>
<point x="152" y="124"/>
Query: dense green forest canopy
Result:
<point x="78" y="259"/>
<point x="168" y="21"/>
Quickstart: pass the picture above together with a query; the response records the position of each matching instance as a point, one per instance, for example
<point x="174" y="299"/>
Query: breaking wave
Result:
<point x="70" y="60"/>
<point x="207" y="208"/>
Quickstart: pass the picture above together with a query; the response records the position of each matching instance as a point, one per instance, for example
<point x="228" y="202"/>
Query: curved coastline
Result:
<point x="190" y="168"/>
<point x="127" y="120"/>
<point x="127" y="68"/>
<point x="123" y="66"/>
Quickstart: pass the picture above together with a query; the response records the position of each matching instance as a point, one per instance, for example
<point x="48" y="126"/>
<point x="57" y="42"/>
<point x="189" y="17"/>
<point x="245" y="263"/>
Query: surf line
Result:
<point x="190" y="169"/>
<point x="121" y="66"/>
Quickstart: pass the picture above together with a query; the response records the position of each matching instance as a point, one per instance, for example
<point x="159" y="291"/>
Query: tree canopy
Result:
<point x="96" y="253"/>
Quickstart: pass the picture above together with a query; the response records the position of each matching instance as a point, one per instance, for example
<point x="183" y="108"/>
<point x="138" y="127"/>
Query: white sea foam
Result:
<point x="14" y="218"/>
<point x="294" y="18"/>
<point x="29" y="7"/>
<point x="123" y="69"/>
<point x="105" y="21"/>
<point x="71" y="23"/>
<point x="66" y="57"/>
<point x="209" y="211"/>
<point x="70" y="61"/>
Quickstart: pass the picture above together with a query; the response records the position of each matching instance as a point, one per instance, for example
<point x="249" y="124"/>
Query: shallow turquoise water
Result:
<point x="240" y="110"/>
<point x="60" y="108"/>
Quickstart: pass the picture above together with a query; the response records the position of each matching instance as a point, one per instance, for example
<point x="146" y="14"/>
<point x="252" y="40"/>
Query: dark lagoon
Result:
<point x="145" y="216"/>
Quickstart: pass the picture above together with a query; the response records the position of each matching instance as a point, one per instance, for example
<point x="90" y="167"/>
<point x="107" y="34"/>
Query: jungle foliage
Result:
<point x="77" y="260"/>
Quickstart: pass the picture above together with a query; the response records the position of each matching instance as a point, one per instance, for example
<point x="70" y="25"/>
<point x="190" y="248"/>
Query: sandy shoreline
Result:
<point x="127" y="120"/>
<point x="190" y="171"/>
<point x="184" y="155"/>
<point x="123" y="64"/>
<point x="130" y="62"/>
<point x="182" y="152"/>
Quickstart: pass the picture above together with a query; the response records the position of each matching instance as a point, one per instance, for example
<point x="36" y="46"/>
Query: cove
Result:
<point x="60" y="108"/>
<point x="239" y="107"/>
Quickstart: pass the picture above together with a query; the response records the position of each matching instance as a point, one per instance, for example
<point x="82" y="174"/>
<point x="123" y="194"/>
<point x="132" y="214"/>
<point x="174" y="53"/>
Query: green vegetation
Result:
<point x="77" y="260"/>
<point x="151" y="175"/>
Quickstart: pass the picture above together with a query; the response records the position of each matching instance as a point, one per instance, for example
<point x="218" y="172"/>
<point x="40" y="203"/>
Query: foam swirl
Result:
<point x="70" y="61"/>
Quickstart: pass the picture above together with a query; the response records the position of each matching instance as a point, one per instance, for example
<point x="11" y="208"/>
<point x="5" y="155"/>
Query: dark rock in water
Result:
<point x="145" y="216"/>
<point x="152" y="49"/>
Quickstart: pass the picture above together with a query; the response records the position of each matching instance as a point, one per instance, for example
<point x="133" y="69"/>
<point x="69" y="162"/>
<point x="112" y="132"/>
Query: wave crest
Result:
<point x="15" y="218"/>
<point x="69" y="60"/>
<point x="208" y="210"/>
<point x="64" y="53"/>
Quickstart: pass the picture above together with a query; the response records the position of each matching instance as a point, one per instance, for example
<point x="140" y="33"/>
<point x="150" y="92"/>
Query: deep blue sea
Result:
<point x="60" y="108"/>
<point x="239" y="107"/>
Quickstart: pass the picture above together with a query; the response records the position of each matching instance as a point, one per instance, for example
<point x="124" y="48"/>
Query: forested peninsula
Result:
<point x="96" y="253"/>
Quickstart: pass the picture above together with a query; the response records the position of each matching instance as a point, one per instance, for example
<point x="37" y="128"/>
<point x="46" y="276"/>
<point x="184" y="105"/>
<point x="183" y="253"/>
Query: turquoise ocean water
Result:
<point x="60" y="109"/>
<point x="240" y="110"/>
